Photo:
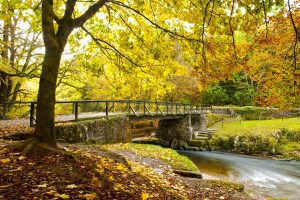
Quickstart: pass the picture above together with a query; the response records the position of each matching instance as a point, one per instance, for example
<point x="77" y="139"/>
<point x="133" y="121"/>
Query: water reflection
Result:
<point x="266" y="177"/>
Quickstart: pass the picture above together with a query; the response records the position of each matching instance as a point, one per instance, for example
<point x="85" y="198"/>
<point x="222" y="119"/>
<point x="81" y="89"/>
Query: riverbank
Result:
<point x="100" y="173"/>
<point x="276" y="138"/>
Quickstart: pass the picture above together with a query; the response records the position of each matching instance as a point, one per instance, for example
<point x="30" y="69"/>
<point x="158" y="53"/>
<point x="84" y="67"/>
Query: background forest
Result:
<point x="212" y="52"/>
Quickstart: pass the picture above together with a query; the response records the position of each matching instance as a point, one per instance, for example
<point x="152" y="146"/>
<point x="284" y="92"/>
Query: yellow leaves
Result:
<point x="100" y="168"/>
<point x="72" y="186"/>
<point x="118" y="187"/>
<point x="6" y="160"/>
<point x="96" y="182"/>
<point x="31" y="163"/>
<point x="5" y="186"/>
<point x="18" y="169"/>
<point x="21" y="158"/>
<point x="120" y="167"/>
<point x="145" y="196"/>
<point x="90" y="196"/>
<point x="63" y="196"/>
<point x="42" y="185"/>
<point x="111" y="178"/>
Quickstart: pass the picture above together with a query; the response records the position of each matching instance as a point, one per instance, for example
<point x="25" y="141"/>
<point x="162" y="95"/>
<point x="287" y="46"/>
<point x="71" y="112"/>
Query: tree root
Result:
<point x="33" y="147"/>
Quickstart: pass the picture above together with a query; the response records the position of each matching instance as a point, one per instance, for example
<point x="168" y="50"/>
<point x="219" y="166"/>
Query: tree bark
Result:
<point x="45" y="129"/>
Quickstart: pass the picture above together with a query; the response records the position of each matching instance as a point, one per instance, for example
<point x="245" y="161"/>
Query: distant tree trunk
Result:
<point x="4" y="79"/>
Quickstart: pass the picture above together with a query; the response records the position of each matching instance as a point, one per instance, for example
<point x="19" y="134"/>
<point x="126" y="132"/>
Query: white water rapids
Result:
<point x="264" y="177"/>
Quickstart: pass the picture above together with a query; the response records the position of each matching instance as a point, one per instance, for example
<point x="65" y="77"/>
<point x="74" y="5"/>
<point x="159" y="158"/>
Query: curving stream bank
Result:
<point x="265" y="177"/>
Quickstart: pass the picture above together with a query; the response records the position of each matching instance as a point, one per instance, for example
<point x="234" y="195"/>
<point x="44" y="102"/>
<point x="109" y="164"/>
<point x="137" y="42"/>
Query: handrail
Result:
<point x="132" y="107"/>
<point x="95" y="101"/>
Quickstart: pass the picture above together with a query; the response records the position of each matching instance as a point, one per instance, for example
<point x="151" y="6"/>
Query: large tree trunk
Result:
<point x="55" y="41"/>
<point x="45" y="129"/>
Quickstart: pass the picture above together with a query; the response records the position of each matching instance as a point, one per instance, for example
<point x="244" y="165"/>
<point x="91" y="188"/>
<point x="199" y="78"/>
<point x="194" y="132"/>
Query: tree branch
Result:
<point x="266" y="20"/>
<point x="153" y="23"/>
<point x="97" y="40"/>
<point x="69" y="9"/>
<point x="203" y="31"/>
<point x="297" y="35"/>
<point x="90" y="12"/>
<point x="232" y="31"/>
<point x="47" y="24"/>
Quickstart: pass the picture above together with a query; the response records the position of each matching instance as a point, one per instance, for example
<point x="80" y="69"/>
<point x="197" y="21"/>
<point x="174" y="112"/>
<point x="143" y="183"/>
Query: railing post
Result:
<point x="156" y="107"/>
<point x="176" y="108"/>
<point x="144" y="107"/>
<point x="76" y="111"/>
<point x="106" y="108"/>
<point x="128" y="104"/>
<point x="73" y="108"/>
<point x="167" y="108"/>
<point x="31" y="114"/>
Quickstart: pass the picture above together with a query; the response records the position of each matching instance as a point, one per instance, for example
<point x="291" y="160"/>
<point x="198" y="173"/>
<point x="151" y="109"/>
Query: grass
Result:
<point x="276" y="136"/>
<point x="258" y="127"/>
<point x="167" y="155"/>
<point x="227" y="184"/>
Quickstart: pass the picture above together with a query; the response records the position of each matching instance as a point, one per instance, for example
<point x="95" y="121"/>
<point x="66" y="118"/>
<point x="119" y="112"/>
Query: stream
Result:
<point x="264" y="177"/>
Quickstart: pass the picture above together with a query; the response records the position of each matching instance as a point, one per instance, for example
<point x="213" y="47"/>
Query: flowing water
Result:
<point x="264" y="177"/>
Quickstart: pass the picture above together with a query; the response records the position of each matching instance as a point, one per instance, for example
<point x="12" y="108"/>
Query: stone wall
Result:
<point x="199" y="122"/>
<point x="180" y="129"/>
<point x="101" y="131"/>
<point x="169" y="129"/>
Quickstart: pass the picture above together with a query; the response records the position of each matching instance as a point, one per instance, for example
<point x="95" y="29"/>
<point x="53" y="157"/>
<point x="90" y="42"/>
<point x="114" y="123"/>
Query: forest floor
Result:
<point x="99" y="173"/>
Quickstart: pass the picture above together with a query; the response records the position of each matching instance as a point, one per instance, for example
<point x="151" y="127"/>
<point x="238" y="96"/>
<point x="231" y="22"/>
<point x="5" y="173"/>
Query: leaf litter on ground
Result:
<point x="98" y="174"/>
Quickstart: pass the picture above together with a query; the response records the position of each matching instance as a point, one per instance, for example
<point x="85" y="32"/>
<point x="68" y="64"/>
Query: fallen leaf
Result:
<point x="43" y="185"/>
<point x="90" y="196"/>
<point x="18" y="169"/>
<point x="111" y="178"/>
<point x="63" y="196"/>
<point x="21" y="158"/>
<point x="145" y="196"/>
<point x="120" y="167"/>
<point x="71" y="186"/>
<point x="5" y="186"/>
<point x="6" y="160"/>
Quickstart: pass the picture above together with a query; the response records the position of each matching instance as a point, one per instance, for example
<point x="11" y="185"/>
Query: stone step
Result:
<point x="201" y="138"/>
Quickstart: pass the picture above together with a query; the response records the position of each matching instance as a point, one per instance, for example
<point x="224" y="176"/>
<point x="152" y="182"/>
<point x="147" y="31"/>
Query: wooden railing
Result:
<point x="83" y="109"/>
